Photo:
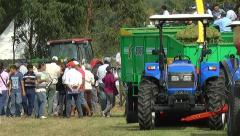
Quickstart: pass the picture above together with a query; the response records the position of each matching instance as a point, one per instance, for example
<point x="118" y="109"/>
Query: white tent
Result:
<point x="6" y="50"/>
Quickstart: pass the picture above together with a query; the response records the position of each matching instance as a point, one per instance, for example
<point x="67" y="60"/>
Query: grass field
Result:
<point x="94" y="126"/>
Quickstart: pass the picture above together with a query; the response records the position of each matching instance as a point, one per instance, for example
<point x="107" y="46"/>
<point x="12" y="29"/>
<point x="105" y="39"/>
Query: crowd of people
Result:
<point x="222" y="18"/>
<point x="57" y="89"/>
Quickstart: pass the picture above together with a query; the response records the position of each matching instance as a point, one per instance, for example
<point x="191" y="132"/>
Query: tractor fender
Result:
<point x="152" y="70"/>
<point x="231" y="70"/>
<point x="228" y="75"/>
<point x="236" y="76"/>
<point x="208" y="70"/>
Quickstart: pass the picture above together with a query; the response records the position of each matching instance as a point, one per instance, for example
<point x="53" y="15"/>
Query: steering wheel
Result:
<point x="182" y="57"/>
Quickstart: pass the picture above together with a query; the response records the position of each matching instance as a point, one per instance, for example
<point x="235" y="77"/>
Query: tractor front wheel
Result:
<point x="234" y="111"/>
<point x="215" y="90"/>
<point x="147" y="91"/>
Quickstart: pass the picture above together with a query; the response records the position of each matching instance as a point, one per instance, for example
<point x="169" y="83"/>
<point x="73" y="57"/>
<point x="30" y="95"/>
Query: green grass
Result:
<point x="95" y="126"/>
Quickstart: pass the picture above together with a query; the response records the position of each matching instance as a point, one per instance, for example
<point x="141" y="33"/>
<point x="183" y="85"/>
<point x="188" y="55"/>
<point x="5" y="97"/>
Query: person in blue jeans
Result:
<point x="30" y="86"/>
<point x="43" y="79"/>
<point x="73" y="80"/>
<point x="17" y="90"/>
<point x="3" y="89"/>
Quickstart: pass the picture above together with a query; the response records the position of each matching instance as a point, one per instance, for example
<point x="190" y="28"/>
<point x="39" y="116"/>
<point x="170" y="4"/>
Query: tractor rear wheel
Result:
<point x="234" y="111"/>
<point x="215" y="90"/>
<point x="147" y="91"/>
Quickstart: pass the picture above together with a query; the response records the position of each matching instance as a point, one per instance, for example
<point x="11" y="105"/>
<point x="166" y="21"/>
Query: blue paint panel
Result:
<point x="236" y="75"/>
<point x="172" y="91"/>
<point x="152" y="73"/>
<point x="206" y="73"/>
<point x="230" y="67"/>
<point x="181" y="68"/>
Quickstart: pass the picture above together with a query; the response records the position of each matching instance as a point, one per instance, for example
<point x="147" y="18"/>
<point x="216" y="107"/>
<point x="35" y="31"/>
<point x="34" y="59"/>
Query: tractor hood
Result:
<point x="181" y="68"/>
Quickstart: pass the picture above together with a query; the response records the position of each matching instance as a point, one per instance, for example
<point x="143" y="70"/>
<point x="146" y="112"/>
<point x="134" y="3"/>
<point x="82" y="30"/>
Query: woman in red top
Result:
<point x="110" y="90"/>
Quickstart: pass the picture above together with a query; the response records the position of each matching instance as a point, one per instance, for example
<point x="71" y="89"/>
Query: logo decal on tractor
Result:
<point x="139" y="50"/>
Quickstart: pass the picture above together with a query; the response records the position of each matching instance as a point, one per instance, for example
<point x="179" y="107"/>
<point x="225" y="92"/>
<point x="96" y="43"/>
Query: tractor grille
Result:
<point x="180" y="84"/>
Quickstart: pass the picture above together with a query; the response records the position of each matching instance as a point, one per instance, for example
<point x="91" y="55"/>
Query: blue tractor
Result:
<point x="232" y="72"/>
<point x="178" y="89"/>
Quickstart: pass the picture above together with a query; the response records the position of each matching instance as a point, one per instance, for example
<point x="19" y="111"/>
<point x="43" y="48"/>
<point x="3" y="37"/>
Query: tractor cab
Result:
<point x="76" y="48"/>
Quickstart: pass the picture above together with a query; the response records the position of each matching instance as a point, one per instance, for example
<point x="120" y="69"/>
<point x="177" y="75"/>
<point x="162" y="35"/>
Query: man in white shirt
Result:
<point x="52" y="94"/>
<point x="231" y="15"/>
<point x="73" y="80"/>
<point x="101" y="74"/>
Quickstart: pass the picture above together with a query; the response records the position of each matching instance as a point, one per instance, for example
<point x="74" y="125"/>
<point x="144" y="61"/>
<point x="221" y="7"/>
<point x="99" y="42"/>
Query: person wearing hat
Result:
<point x="52" y="94"/>
<point x="73" y="81"/>
<point x="101" y="72"/>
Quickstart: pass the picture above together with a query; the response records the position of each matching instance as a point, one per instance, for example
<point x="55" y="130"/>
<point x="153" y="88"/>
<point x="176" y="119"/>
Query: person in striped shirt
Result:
<point x="30" y="86"/>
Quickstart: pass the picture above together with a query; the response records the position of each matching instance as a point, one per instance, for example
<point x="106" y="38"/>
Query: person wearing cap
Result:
<point x="30" y="85"/>
<point x="101" y="72"/>
<point x="82" y="88"/>
<point x="217" y="11"/>
<point x="89" y="82"/>
<point x="52" y="94"/>
<point x="73" y="81"/>
<point x="4" y="77"/>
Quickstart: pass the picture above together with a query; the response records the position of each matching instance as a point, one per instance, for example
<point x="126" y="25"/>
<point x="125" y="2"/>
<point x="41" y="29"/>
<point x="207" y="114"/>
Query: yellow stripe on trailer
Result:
<point x="124" y="32"/>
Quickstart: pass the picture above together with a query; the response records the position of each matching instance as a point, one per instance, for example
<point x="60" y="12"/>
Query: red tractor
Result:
<point x="76" y="48"/>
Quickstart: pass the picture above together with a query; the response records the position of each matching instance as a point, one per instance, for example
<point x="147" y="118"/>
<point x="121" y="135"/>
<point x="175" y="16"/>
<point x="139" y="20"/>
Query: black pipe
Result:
<point x="162" y="53"/>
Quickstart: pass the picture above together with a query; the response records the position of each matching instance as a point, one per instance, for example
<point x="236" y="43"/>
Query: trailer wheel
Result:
<point x="131" y="116"/>
<point x="234" y="111"/>
<point x="215" y="90"/>
<point x="147" y="91"/>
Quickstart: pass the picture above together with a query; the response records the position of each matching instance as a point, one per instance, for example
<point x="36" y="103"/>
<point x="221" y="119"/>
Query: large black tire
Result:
<point x="147" y="91"/>
<point x="234" y="111"/>
<point x="215" y="90"/>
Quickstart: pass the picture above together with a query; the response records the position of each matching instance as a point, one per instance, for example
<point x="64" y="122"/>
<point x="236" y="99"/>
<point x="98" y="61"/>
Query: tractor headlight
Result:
<point x="174" y="78"/>
<point x="187" y="78"/>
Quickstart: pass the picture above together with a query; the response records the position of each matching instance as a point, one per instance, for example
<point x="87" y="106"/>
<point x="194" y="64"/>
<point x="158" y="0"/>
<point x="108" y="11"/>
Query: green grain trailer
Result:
<point x="137" y="45"/>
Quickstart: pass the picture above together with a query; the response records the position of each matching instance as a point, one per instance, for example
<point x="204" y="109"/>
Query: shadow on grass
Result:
<point x="166" y="125"/>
